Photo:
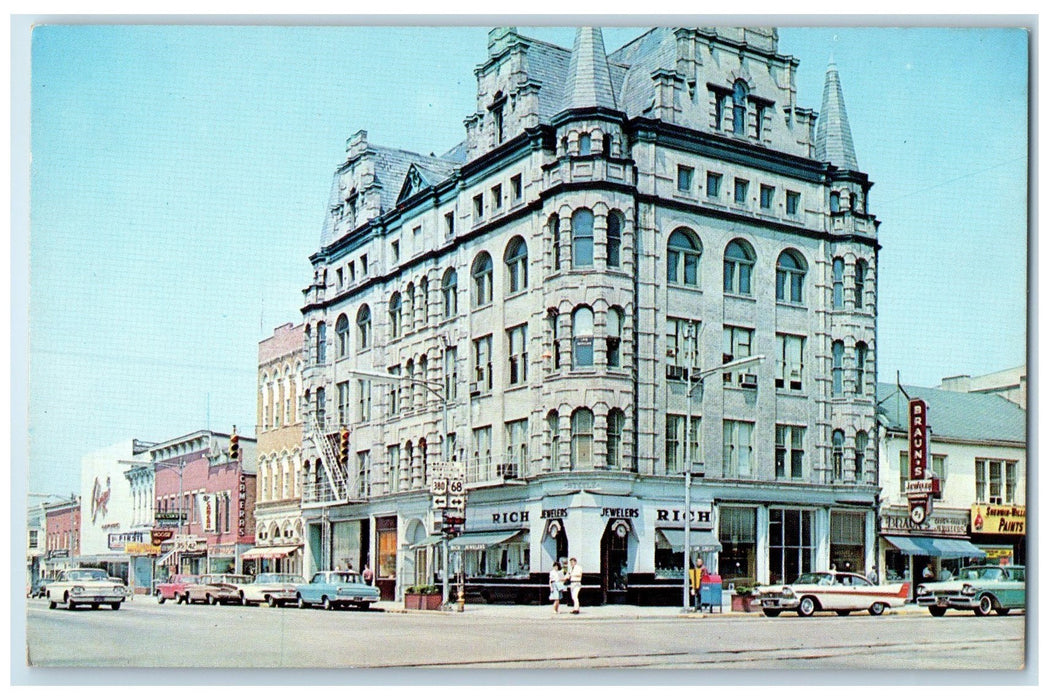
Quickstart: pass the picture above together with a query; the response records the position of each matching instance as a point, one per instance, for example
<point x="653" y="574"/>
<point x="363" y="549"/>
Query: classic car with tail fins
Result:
<point x="840" y="592"/>
<point x="981" y="589"/>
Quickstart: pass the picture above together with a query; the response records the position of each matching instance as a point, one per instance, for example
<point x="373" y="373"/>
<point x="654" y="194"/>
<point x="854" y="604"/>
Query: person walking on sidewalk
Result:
<point x="557" y="585"/>
<point x="575" y="581"/>
<point x="367" y="575"/>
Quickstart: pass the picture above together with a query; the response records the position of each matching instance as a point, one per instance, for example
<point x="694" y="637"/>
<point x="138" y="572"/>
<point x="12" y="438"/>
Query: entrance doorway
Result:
<point x="614" y="550"/>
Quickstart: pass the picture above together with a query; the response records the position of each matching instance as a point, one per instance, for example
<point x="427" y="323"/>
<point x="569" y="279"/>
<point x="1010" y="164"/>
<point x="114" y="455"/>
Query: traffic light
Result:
<point x="234" y="447"/>
<point x="344" y="446"/>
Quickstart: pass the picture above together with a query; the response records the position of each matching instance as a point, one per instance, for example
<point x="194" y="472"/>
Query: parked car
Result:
<point x="336" y="589"/>
<point x="91" y="587"/>
<point x="37" y="589"/>
<point x="214" y="589"/>
<point x="977" y="588"/>
<point x="831" y="590"/>
<point x="275" y="590"/>
<point x="174" y="588"/>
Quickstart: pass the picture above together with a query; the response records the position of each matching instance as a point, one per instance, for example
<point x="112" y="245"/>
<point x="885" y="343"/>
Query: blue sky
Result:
<point x="180" y="177"/>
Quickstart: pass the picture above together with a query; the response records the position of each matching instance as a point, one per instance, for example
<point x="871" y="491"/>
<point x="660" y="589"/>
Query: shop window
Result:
<point x="737" y="532"/>
<point x="847" y="540"/>
<point x="791" y="544"/>
<point x="669" y="561"/>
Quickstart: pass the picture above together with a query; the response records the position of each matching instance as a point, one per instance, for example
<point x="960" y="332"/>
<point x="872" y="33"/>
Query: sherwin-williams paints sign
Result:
<point x="999" y="520"/>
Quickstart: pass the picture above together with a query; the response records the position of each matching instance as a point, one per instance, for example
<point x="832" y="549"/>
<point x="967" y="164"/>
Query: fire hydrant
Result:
<point x="460" y="603"/>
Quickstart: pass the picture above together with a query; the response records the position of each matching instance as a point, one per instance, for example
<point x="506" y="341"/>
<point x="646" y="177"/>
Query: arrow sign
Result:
<point x="440" y="501"/>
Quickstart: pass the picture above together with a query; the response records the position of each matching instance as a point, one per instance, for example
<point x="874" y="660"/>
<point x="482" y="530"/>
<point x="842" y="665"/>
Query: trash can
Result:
<point x="710" y="592"/>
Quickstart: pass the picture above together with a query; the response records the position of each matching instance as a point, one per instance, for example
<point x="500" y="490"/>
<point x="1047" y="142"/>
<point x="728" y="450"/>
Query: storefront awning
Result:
<point x="427" y="541"/>
<point x="483" y="540"/>
<point x="167" y="558"/>
<point x="698" y="540"/>
<point x="268" y="552"/>
<point x="935" y="547"/>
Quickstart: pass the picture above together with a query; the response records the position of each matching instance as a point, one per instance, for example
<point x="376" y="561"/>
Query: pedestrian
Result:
<point x="575" y="580"/>
<point x="927" y="573"/>
<point x="557" y="585"/>
<point x="368" y="575"/>
<point x="873" y="575"/>
<point x="695" y="578"/>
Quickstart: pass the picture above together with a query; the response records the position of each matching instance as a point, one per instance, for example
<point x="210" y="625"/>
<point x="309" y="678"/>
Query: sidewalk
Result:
<point x="600" y="612"/>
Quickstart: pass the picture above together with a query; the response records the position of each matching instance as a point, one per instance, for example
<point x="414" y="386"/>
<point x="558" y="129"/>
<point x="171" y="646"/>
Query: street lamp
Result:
<point x="694" y="379"/>
<point x="387" y="378"/>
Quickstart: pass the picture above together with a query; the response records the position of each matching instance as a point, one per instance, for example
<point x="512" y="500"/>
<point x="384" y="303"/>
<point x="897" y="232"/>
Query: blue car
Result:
<point x="336" y="589"/>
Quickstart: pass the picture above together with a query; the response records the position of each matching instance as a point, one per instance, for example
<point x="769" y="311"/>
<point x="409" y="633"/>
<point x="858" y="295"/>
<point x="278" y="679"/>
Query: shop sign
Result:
<point x="141" y="548"/>
<point x="1000" y="555"/>
<point x="222" y="550"/>
<point x="242" y="495"/>
<point x="117" y="540"/>
<point x="550" y="513"/>
<point x="702" y="517"/>
<point x="161" y="535"/>
<point x="999" y="520"/>
<point x="918" y="427"/>
<point x="610" y="513"/>
<point x="899" y="522"/>
<point x="169" y="516"/>
<point x="510" y="517"/>
<point x="99" y="499"/>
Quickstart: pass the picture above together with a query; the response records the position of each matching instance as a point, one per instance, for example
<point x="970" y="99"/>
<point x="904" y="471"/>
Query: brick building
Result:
<point x="61" y="535"/>
<point x="555" y="297"/>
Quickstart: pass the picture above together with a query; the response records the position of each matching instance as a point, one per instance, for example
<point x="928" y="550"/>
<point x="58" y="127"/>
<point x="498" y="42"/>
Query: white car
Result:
<point x="831" y="590"/>
<point x="91" y="587"/>
<point x="275" y="590"/>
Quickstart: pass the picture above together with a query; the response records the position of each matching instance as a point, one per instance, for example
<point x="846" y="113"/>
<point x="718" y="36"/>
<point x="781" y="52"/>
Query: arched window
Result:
<point x="683" y="251"/>
<point x="408" y="313"/>
<point x="516" y="259"/>
<point x="450" y="293"/>
<point x="554" y="319"/>
<point x="424" y="301"/>
<point x="582" y="439"/>
<point x="739" y="108"/>
<point x="584" y="144"/>
<point x="861" y="366"/>
<point x="553" y="429"/>
<point x="838" y="453"/>
<point x="613" y="336"/>
<point x="790" y="277"/>
<point x="861" y="452"/>
<point x="582" y="337"/>
<point x="364" y="327"/>
<point x="555" y="240"/>
<point x="739" y="266"/>
<point x="342" y="336"/>
<point x="614" y="239"/>
<point x="858" y="283"/>
<point x="482" y="276"/>
<point x="835" y="202"/>
<point x="322" y="342"/>
<point x="582" y="238"/>
<point x="409" y="391"/>
<point x="395" y="315"/>
<point x="616" y="423"/>
<point x="838" y="269"/>
<point x="320" y="409"/>
<point x="837" y="350"/>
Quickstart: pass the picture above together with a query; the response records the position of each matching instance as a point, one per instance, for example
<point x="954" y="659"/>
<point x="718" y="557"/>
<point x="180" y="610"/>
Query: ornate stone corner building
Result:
<point x="550" y="292"/>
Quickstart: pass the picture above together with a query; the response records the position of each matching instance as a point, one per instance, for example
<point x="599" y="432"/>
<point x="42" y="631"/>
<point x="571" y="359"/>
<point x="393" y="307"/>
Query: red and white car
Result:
<point x="831" y="590"/>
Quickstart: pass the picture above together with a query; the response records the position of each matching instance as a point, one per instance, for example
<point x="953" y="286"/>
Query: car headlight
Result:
<point x="787" y="592"/>
<point x="118" y="590"/>
<point x="922" y="590"/>
<point x="968" y="589"/>
<point x="77" y="589"/>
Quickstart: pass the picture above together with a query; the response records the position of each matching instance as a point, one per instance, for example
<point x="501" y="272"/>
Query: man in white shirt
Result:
<point x="575" y="581"/>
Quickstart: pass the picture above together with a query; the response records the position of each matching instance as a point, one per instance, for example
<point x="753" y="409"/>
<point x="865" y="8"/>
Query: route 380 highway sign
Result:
<point x="439" y="487"/>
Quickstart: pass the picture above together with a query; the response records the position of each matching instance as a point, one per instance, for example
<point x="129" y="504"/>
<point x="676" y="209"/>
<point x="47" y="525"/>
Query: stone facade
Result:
<point x="550" y="295"/>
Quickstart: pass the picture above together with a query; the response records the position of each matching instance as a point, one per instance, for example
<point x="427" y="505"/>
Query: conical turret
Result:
<point x="589" y="82"/>
<point x="833" y="135"/>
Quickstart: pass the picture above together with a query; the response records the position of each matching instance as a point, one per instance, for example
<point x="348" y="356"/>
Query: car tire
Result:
<point x="937" y="610"/>
<point x="115" y="606"/>
<point x="984" y="606"/>
<point x="843" y="613"/>
<point x="1002" y="611"/>
<point x="269" y="602"/>
<point x="876" y="608"/>
<point x="184" y="599"/>
<point x="160" y="598"/>
<point x="363" y="606"/>
<point x="807" y="606"/>
<point x="209" y="600"/>
<point x="51" y="605"/>
<point x="327" y="604"/>
<point x="302" y="603"/>
<point x="94" y="606"/>
<point x="771" y="613"/>
<point x="243" y="601"/>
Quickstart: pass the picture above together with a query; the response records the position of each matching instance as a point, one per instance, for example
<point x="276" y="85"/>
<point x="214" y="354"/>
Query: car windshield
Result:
<point x="980" y="573"/>
<point x="87" y="575"/>
<point x="812" y="578"/>
<point x="347" y="577"/>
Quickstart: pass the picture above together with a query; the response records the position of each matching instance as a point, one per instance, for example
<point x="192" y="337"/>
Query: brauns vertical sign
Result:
<point x="919" y="488"/>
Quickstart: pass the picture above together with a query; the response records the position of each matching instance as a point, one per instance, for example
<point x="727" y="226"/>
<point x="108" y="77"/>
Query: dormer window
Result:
<point x="739" y="108"/>
<point x="496" y="110"/>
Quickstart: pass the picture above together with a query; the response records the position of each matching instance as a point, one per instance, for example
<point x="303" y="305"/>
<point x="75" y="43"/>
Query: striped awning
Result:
<point x="268" y="552"/>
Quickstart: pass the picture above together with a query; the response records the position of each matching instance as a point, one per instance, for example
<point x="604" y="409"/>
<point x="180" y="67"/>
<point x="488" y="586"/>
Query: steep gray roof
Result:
<point x="589" y="83"/>
<point x="954" y="414"/>
<point x="833" y="135"/>
<point x="391" y="165"/>
<point x="548" y="65"/>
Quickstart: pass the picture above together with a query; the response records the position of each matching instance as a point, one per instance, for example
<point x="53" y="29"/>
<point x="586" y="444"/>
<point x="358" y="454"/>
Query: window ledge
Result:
<point x="483" y="307"/>
<point x="685" y="287"/>
<point x="791" y="305"/>
<point x="515" y="295"/>
<point x="741" y="297"/>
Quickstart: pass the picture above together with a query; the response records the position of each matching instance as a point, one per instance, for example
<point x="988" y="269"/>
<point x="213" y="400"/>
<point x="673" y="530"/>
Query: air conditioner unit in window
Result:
<point x="675" y="372"/>
<point x="475" y="388"/>
<point x="748" y="381"/>
<point x="507" y="471"/>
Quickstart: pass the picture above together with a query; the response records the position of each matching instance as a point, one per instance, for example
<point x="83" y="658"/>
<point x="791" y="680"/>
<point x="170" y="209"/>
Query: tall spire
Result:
<point x="589" y="82"/>
<point x="833" y="135"/>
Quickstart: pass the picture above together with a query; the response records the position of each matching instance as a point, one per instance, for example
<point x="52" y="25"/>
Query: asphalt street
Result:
<point x="144" y="634"/>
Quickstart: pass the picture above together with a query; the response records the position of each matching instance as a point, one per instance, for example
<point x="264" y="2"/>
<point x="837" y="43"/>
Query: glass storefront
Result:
<point x="507" y="559"/>
<point x="791" y="546"/>
<point x="737" y="532"/>
<point x="847" y="540"/>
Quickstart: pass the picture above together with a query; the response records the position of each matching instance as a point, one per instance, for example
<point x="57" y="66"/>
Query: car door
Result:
<point x="1013" y="589"/>
<point x="313" y="592"/>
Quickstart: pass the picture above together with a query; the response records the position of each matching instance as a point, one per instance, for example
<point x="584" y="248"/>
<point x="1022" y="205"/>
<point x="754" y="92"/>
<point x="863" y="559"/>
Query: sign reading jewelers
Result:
<point x="919" y="488"/>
